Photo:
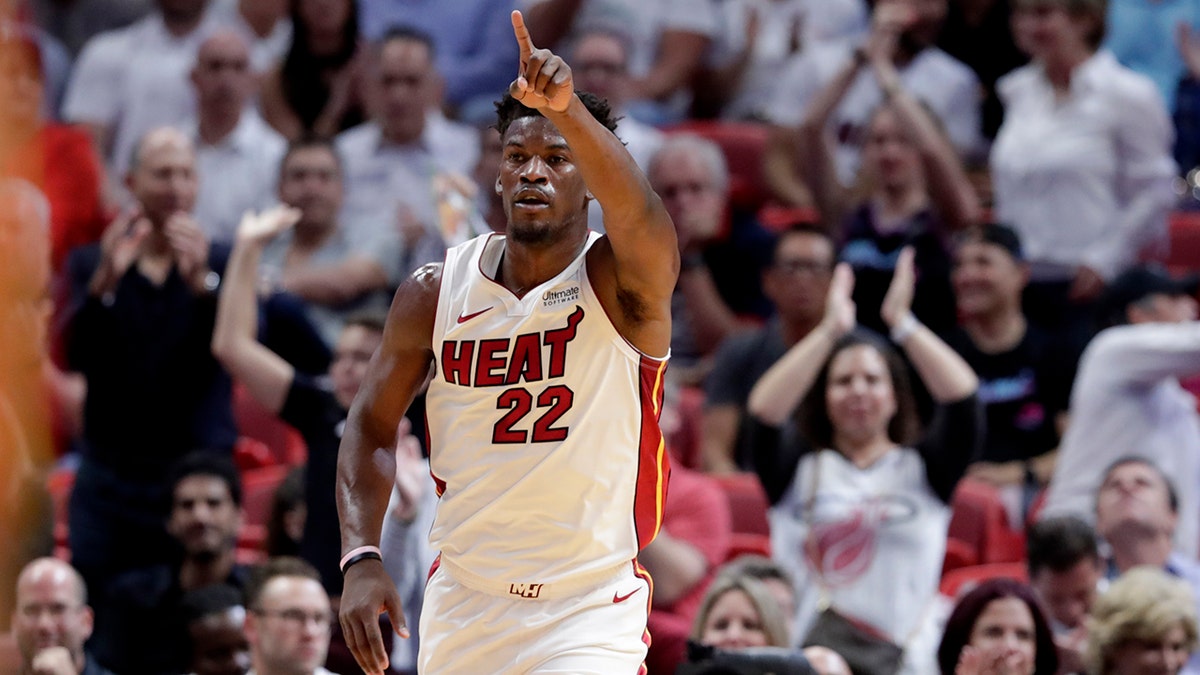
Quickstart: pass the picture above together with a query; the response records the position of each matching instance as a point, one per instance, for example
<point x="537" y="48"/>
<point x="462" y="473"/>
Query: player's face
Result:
<point x="219" y="645"/>
<point x="1133" y="495"/>
<point x="1068" y="595"/>
<point x="734" y="623"/>
<point x="404" y="87"/>
<point x="311" y="180"/>
<point x="289" y="632"/>
<point x="985" y="278"/>
<point x="542" y="188"/>
<point x="351" y="359"/>
<point x="859" y="395"/>
<point x="164" y="180"/>
<point x="1005" y="627"/>
<point x="204" y="518"/>
<point x="50" y="613"/>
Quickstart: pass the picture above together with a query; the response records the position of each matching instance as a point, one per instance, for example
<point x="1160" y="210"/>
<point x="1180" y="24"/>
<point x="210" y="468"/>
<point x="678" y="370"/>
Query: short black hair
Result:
<point x="509" y="110"/>
<point x="407" y="33"/>
<point x="206" y="463"/>
<point x="1172" y="494"/>
<point x="282" y="566"/>
<point x="995" y="234"/>
<point x="1060" y="543"/>
<point x="208" y="600"/>
<point x="308" y="141"/>
<point x="804" y="228"/>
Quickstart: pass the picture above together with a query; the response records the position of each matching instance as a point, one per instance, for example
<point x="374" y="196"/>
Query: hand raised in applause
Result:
<point x="120" y="246"/>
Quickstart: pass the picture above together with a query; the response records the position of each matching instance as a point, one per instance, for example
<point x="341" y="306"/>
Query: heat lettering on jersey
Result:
<point x="507" y="361"/>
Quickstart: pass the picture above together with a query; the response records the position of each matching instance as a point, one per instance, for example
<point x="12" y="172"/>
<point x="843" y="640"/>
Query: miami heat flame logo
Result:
<point x="842" y="541"/>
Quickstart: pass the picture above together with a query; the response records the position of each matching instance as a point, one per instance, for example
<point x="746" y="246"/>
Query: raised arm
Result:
<point x="780" y="389"/>
<point x="951" y="191"/>
<point x="265" y="374"/>
<point x="813" y="148"/>
<point x="946" y="375"/>
<point x="637" y="264"/>
<point x="366" y="462"/>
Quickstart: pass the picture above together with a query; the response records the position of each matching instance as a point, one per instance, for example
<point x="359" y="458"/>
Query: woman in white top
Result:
<point x="1081" y="166"/>
<point x="862" y="500"/>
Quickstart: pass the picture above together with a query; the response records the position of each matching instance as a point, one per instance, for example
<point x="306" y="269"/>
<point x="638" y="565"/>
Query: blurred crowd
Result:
<point x="934" y="339"/>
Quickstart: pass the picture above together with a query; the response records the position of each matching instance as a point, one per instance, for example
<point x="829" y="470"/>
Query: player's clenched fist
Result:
<point x="543" y="80"/>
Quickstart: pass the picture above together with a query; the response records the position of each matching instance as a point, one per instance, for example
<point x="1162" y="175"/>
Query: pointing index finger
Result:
<point x="522" y="33"/>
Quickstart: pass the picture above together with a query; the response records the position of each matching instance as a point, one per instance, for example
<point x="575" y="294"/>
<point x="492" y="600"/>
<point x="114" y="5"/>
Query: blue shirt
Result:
<point x="1141" y="34"/>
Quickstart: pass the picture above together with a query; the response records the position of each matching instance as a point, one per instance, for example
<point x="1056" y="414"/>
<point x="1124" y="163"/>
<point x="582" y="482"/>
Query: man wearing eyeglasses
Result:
<point x="288" y="626"/>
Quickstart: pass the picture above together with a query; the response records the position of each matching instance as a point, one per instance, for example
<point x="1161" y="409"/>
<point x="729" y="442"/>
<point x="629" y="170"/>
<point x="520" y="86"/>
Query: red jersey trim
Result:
<point x="654" y="466"/>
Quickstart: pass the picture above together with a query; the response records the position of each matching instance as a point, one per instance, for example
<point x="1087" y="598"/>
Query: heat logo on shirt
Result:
<point x="507" y="361"/>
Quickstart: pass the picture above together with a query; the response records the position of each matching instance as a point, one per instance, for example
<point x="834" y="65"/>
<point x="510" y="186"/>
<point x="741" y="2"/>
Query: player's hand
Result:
<point x="369" y="592"/>
<point x="841" y="314"/>
<point x="544" y="80"/>
<point x="897" y="303"/>
<point x="260" y="228"/>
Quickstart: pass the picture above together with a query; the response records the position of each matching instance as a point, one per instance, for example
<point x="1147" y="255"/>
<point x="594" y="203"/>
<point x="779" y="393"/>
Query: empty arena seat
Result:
<point x="747" y="502"/>
<point x="254" y="421"/>
<point x="979" y="520"/>
<point x="258" y="489"/>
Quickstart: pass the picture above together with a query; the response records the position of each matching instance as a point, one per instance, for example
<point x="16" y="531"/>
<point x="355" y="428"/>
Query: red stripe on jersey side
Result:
<point x="654" y="467"/>
<point x="439" y="485"/>
<point x="641" y="573"/>
<point x="437" y="562"/>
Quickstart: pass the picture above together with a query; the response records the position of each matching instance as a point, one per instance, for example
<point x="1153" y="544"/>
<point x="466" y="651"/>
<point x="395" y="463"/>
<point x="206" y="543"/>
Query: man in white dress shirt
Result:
<point x="399" y="153"/>
<point x="237" y="154"/>
<point x="131" y="80"/>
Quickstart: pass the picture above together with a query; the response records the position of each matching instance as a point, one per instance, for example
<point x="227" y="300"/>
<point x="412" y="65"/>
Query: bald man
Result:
<point x="143" y="306"/>
<point x="52" y="620"/>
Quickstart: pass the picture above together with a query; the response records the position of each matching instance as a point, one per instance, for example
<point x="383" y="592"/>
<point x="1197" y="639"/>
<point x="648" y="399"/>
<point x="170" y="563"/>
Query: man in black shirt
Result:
<point x="1025" y="373"/>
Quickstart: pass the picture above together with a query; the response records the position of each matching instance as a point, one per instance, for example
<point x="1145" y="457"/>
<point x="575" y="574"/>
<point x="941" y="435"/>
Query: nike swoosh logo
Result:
<point x="467" y="317"/>
<point x="623" y="598"/>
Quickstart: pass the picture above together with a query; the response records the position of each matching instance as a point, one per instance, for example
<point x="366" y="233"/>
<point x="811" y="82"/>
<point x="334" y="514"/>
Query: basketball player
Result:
<point x="549" y="345"/>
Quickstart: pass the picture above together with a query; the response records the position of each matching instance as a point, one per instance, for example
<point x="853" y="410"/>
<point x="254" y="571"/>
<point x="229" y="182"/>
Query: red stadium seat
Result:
<point x="746" y="543"/>
<point x="258" y="489"/>
<point x="1185" y="242"/>
<point x="743" y="144"/>
<point x="251" y="544"/>
<point x="59" y="484"/>
<point x="256" y="422"/>
<point x="747" y="502"/>
<point x="979" y="519"/>
<point x="962" y="580"/>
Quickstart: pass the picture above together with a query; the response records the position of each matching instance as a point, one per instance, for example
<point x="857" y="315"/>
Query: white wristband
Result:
<point x="904" y="328"/>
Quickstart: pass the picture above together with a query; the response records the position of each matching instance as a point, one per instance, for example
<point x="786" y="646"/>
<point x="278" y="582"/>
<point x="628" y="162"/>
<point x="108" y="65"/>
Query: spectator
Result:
<point x="902" y="31"/>
<point x="694" y="540"/>
<point x="796" y="282"/>
<point x="52" y="621"/>
<point x="400" y="152"/>
<point x="720" y="251"/>
<point x="316" y="89"/>
<point x="995" y="629"/>
<point x="777" y="580"/>
<point x="142" y="315"/>
<point x="1145" y="623"/>
<point x="313" y="409"/>
<point x="56" y="158"/>
<point x="1127" y="398"/>
<point x="289" y="511"/>
<point x="1137" y="510"/>
<point x="333" y="268"/>
<point x="1066" y="573"/>
<point x="756" y="40"/>
<point x="75" y="23"/>
<point x="52" y="55"/>
<point x="1142" y="35"/>
<point x="668" y="41"/>
<point x="1081" y="167"/>
<point x="237" y="154"/>
<point x="600" y="65"/>
<point x="980" y="34"/>
<point x="130" y="80"/>
<point x="472" y="42"/>
<point x="1025" y="372"/>
<point x="142" y="606"/>
<point x="290" y="619"/>
<point x="488" y="202"/>
<point x="849" y="391"/>
<point x="265" y="27"/>
<point x="919" y="193"/>
<point x="215" y="617"/>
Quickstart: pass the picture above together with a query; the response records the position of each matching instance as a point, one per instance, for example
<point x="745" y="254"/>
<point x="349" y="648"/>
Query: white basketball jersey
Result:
<point x="543" y="426"/>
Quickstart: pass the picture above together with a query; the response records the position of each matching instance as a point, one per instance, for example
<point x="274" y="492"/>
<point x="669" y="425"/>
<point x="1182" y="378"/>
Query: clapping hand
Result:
<point x="992" y="661"/>
<point x="840" y="310"/>
<point x="544" y="80"/>
<point x="190" y="247"/>
<point x="260" y="228"/>
<point x="897" y="304"/>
